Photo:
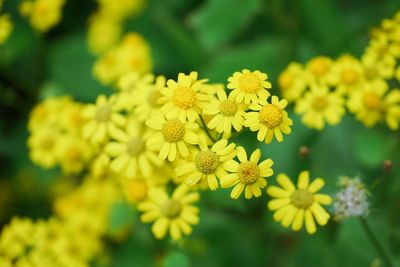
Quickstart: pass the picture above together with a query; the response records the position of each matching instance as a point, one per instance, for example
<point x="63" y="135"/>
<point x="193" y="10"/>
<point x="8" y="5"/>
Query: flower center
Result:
<point x="301" y="198"/>
<point x="73" y="154"/>
<point x="248" y="172"/>
<point x="47" y="143"/>
<point x="350" y="76"/>
<point x="184" y="97"/>
<point x="372" y="100"/>
<point x="206" y="162"/>
<point x="228" y="108"/>
<point x="153" y="96"/>
<point x="171" y="209"/>
<point x="319" y="66"/>
<point x="370" y="73"/>
<point x="285" y="80"/>
<point x="136" y="190"/>
<point x="103" y="113"/>
<point x="135" y="146"/>
<point x="173" y="131"/>
<point x="270" y="116"/>
<point x="249" y="83"/>
<point x="319" y="103"/>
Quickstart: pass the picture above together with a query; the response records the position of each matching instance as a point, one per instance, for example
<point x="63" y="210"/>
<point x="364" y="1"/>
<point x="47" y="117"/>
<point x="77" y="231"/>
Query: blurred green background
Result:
<point x="215" y="38"/>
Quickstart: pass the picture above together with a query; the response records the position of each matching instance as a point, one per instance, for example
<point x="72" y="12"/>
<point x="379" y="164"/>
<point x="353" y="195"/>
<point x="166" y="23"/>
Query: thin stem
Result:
<point x="206" y="129"/>
<point x="375" y="242"/>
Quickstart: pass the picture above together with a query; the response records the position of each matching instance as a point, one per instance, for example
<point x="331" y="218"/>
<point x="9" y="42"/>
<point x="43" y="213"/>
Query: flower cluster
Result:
<point x="72" y="237"/>
<point x="131" y="54"/>
<point x="323" y="87"/>
<point x="352" y="200"/>
<point x="106" y="24"/>
<point x="42" y="14"/>
<point x="6" y="25"/>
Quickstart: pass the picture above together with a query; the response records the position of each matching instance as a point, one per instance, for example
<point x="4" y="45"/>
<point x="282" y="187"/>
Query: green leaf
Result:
<point x="176" y="259"/>
<point x="218" y="21"/>
<point x="122" y="216"/>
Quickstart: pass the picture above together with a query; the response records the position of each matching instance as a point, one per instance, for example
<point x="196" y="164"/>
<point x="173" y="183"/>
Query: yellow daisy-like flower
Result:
<point x="319" y="106"/>
<point x="227" y="113"/>
<point x="270" y="119"/>
<point x="103" y="118"/>
<point x="373" y="103"/>
<point x="248" y="175"/>
<point x="182" y="99"/>
<point x="294" y="206"/>
<point x="130" y="152"/>
<point x="319" y="71"/>
<point x="43" y="147"/>
<point x="73" y="153"/>
<point x="249" y="87"/>
<point x="207" y="164"/>
<point x="350" y="74"/>
<point x="175" y="214"/>
<point x="172" y="136"/>
<point x="292" y="82"/>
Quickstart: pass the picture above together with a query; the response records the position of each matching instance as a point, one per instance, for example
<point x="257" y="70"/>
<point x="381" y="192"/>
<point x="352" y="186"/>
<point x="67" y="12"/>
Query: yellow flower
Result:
<point x="172" y="136"/>
<point x="6" y="27"/>
<point x="294" y="206"/>
<point x="292" y="82"/>
<point x="73" y="153"/>
<point x="102" y="118"/>
<point x="350" y="74"/>
<point x="175" y="214"/>
<point x="182" y="99"/>
<point x="319" y="105"/>
<point x="43" y="14"/>
<point x="319" y="71"/>
<point x="207" y="164"/>
<point x="103" y="32"/>
<point x="373" y="103"/>
<point x="270" y="119"/>
<point x="249" y="87"/>
<point x="130" y="152"/>
<point x="248" y="175"/>
<point x="43" y="146"/>
<point x="227" y="113"/>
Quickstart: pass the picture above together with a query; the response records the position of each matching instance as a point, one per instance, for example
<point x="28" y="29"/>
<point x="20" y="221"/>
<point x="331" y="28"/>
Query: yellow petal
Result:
<point x="310" y="223"/>
<point x="303" y="181"/>
<point x="285" y="182"/>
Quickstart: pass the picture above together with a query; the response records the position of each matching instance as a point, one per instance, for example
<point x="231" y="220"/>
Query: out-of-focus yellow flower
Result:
<point x="74" y="154"/>
<point x="292" y="82"/>
<point x="319" y="106"/>
<point x="175" y="214"/>
<point x="270" y="119"/>
<point x="182" y="98"/>
<point x="294" y="206"/>
<point x="44" y="147"/>
<point x="42" y="14"/>
<point x="6" y="27"/>
<point x="132" y="54"/>
<point x="207" y="164"/>
<point x="227" y="113"/>
<point x="131" y="155"/>
<point x="249" y="87"/>
<point x="103" y="118"/>
<point x="350" y="74"/>
<point x="248" y="175"/>
<point x="373" y="103"/>
<point x="121" y="9"/>
<point x="172" y="136"/>
<point x="319" y="71"/>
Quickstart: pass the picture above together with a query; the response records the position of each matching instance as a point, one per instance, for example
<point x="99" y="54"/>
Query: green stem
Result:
<point x="375" y="242"/>
<point x="206" y="129"/>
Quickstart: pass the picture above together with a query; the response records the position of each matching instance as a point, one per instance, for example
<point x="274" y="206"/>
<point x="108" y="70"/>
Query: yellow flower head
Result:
<point x="292" y="82"/>
<point x="175" y="214"/>
<point x="372" y="104"/>
<point x="103" y="118"/>
<point x="319" y="106"/>
<point x="6" y="27"/>
<point x="294" y="206"/>
<point x="227" y="113"/>
<point x="269" y="119"/>
<point x="249" y="87"/>
<point x="74" y="154"/>
<point x="43" y="146"/>
<point x="130" y="153"/>
<point x="172" y="136"/>
<point x="319" y="71"/>
<point x="43" y="14"/>
<point x="182" y="98"/>
<point x="248" y="175"/>
<point x="350" y="74"/>
<point x="103" y="32"/>
<point x="207" y="164"/>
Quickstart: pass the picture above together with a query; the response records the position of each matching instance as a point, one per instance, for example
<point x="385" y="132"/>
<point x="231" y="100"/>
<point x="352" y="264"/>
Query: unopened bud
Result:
<point x="387" y="165"/>
<point x="304" y="151"/>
